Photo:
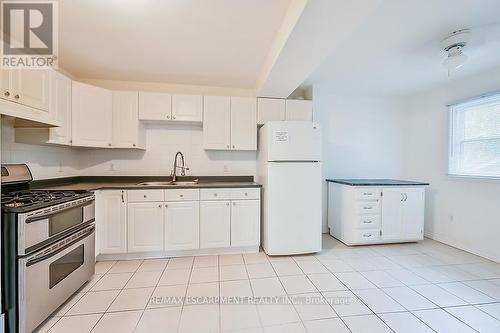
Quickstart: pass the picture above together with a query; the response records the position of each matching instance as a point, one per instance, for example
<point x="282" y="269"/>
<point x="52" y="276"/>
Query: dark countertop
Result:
<point x="93" y="183"/>
<point x="376" y="182"/>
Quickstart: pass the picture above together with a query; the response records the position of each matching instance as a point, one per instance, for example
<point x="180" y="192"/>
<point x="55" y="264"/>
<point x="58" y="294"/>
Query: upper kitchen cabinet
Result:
<point x="243" y="123"/>
<point x="229" y="123"/>
<point x="270" y="109"/>
<point x="299" y="110"/>
<point x="92" y="116"/>
<point x="187" y="108"/>
<point x="60" y="109"/>
<point x="28" y="92"/>
<point x="216" y="122"/>
<point x="155" y="106"/>
<point x="128" y="132"/>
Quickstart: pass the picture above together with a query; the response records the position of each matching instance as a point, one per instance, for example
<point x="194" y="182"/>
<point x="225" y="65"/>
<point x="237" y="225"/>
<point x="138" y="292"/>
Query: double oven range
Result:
<point x="48" y="248"/>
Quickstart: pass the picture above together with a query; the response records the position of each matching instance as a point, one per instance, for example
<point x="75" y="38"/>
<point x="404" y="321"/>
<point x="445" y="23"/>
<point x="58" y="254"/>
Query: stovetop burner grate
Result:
<point x="29" y="198"/>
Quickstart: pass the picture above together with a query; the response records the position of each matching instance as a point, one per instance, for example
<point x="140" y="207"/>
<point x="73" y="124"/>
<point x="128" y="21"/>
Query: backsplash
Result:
<point x="163" y="141"/>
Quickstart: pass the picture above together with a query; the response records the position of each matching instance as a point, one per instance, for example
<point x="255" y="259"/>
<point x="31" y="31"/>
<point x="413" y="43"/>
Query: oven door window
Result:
<point x="65" y="220"/>
<point x="65" y="265"/>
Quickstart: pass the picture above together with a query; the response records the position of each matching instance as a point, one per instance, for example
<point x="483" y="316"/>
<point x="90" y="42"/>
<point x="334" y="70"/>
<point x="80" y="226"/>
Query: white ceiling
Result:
<point x="395" y="49"/>
<point x="197" y="42"/>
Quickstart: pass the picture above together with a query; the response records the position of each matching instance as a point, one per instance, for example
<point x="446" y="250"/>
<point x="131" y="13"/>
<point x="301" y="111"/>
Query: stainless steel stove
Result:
<point x="48" y="249"/>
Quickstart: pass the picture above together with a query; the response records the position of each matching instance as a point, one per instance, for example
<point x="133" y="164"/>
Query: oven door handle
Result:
<point x="86" y="232"/>
<point x="46" y="216"/>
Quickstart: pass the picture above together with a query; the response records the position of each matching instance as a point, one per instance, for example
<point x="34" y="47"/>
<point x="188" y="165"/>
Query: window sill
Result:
<point x="485" y="179"/>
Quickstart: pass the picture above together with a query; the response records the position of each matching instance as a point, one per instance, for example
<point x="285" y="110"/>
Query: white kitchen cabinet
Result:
<point x="60" y="108"/>
<point x="230" y="123"/>
<point x="382" y="214"/>
<point x="187" y="108"/>
<point x="31" y="87"/>
<point x="243" y="123"/>
<point x="145" y="227"/>
<point x="245" y="223"/>
<point x="215" y="224"/>
<point x="216" y="122"/>
<point x="111" y="221"/>
<point x="92" y="116"/>
<point x="155" y="106"/>
<point x="182" y="225"/>
<point x="270" y="109"/>
<point x="300" y="110"/>
<point x="403" y="213"/>
<point x="128" y="132"/>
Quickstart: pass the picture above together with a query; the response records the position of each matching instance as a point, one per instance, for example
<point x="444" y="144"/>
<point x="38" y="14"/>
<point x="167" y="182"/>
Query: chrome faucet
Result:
<point x="182" y="167"/>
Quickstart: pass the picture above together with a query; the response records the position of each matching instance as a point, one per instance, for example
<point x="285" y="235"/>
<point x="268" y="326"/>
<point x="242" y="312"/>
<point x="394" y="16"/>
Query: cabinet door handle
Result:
<point x="16" y="97"/>
<point x="123" y="199"/>
<point x="181" y="195"/>
<point x="406" y="197"/>
<point x="173" y="117"/>
<point x="233" y="147"/>
<point x="367" y="235"/>
<point x="145" y="196"/>
<point x="227" y="146"/>
<point x="6" y="94"/>
<point x="166" y="206"/>
<point x="168" y="117"/>
<point x="402" y="197"/>
<point x="367" y="221"/>
<point x="215" y="194"/>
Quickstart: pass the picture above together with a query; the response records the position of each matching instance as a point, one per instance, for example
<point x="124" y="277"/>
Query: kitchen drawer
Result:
<point x="368" y="221"/>
<point x="245" y="193"/>
<point x="145" y="195"/>
<point x="182" y="195"/>
<point x="216" y="193"/>
<point x="369" y="193"/>
<point x="368" y="235"/>
<point x="368" y="207"/>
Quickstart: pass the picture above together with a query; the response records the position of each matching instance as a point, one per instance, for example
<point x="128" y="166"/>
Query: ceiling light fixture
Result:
<point x="454" y="45"/>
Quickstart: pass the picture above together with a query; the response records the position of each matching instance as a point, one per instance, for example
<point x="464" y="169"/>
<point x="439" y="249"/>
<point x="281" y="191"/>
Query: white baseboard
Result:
<point x="171" y="254"/>
<point x="455" y="243"/>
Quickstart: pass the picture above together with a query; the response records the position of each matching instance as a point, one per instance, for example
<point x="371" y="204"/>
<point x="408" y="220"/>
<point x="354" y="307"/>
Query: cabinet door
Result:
<point x="5" y="84"/>
<point x="245" y="223"/>
<point x="215" y="220"/>
<point x="111" y="219"/>
<point x="145" y="226"/>
<point x="155" y="106"/>
<point x="270" y="109"/>
<point x="182" y="222"/>
<point x="125" y="119"/>
<point x="187" y="108"/>
<point x="31" y="87"/>
<point x="392" y="214"/>
<point x="243" y="123"/>
<point x="92" y="116"/>
<point x="60" y="108"/>
<point x="299" y="110"/>
<point x="216" y="122"/>
<point x="413" y="213"/>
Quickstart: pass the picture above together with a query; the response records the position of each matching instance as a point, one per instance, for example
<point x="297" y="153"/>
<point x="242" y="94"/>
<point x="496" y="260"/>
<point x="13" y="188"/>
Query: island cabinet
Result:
<point x="376" y="214"/>
<point x="173" y="222"/>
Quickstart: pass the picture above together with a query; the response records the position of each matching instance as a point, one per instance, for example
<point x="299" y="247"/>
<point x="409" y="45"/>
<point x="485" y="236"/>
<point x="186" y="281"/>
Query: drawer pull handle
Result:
<point x="367" y="193"/>
<point x="181" y="195"/>
<point x="166" y="206"/>
<point x="367" y="235"/>
<point x="367" y="221"/>
<point x="367" y="207"/>
<point x="145" y="196"/>
<point x="16" y="97"/>
<point x="159" y="206"/>
<point x="246" y="194"/>
<point x="215" y="194"/>
<point x="7" y="94"/>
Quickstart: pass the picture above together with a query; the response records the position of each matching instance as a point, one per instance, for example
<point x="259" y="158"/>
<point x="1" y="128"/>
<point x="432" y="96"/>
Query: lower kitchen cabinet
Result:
<point x="215" y="224"/>
<point x="111" y="220"/>
<point x="245" y="223"/>
<point x="145" y="226"/>
<point x="367" y="215"/>
<point x="182" y="220"/>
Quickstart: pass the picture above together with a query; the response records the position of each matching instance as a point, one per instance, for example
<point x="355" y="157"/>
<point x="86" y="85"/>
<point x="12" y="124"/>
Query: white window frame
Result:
<point x="454" y="116"/>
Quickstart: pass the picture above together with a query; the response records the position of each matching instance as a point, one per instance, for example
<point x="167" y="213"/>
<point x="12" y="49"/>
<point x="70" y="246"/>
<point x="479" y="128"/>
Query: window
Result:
<point x="475" y="137"/>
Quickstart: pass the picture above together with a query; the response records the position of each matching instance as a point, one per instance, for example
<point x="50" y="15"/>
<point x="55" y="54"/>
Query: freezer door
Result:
<point x="292" y="208"/>
<point x="293" y="141"/>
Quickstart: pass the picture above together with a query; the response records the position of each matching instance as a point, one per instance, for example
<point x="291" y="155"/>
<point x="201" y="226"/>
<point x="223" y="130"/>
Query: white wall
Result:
<point x="163" y="141"/>
<point x="43" y="161"/>
<point x="460" y="212"/>
<point x="362" y="136"/>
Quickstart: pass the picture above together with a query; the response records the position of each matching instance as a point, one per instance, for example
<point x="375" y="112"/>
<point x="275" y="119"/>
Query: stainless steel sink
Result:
<point x="170" y="183"/>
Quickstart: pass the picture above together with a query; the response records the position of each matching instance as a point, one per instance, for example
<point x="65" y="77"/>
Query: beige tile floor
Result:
<point x="419" y="287"/>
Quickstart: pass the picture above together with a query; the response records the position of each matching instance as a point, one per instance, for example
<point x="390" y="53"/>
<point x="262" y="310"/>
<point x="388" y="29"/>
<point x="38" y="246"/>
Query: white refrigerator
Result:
<point x="289" y="168"/>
